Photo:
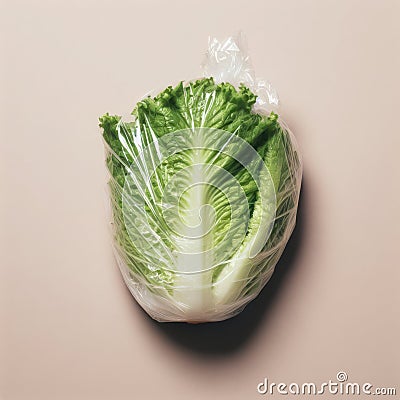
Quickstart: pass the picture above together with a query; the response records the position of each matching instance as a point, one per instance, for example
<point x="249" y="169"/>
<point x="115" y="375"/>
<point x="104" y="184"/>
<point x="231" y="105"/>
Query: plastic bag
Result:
<point x="204" y="186"/>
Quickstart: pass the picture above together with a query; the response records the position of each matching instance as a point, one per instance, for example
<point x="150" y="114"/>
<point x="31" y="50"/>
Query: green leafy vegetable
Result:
<point x="199" y="221"/>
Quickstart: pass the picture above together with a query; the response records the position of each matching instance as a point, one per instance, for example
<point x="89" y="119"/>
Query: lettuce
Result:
<point x="200" y="221"/>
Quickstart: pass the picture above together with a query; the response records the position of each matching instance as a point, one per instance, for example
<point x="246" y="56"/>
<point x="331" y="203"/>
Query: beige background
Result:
<point x="69" y="328"/>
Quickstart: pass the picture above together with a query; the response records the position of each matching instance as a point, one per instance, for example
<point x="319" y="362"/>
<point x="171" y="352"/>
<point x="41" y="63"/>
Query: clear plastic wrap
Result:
<point x="204" y="186"/>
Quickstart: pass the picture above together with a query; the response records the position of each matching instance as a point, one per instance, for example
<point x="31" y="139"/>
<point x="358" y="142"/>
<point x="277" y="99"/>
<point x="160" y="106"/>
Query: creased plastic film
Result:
<point x="204" y="187"/>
